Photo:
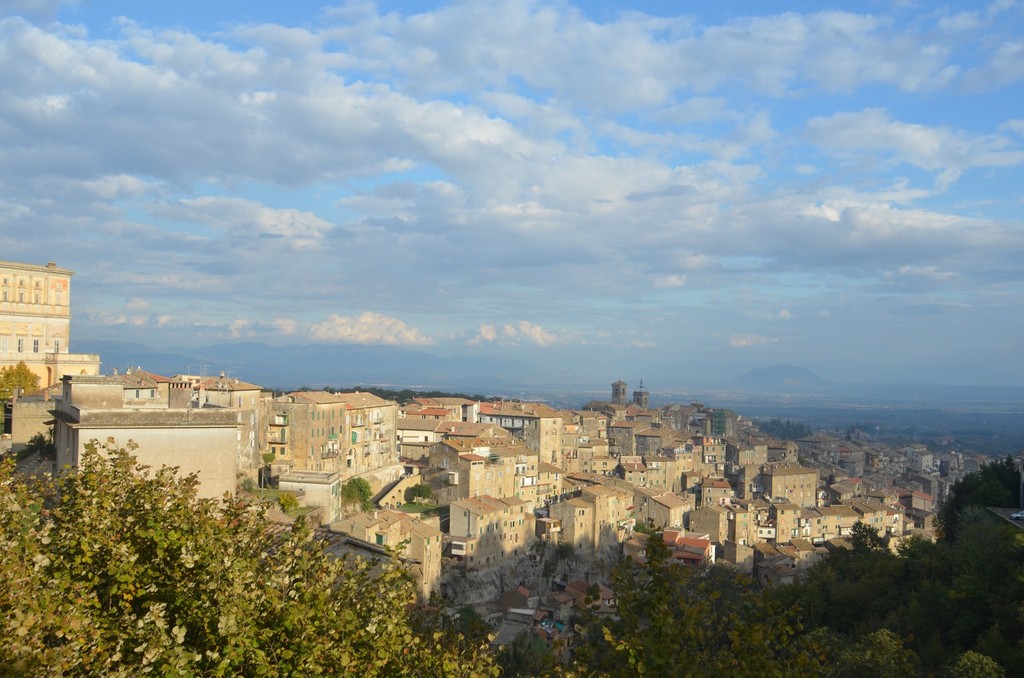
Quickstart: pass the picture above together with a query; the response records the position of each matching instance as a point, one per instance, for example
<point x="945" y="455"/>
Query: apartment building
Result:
<point x="709" y="455"/>
<point x="593" y="457"/>
<point x="597" y="518"/>
<point x="715" y="491"/>
<point x="661" y="509"/>
<point x="497" y="467"/>
<point x="460" y="409"/>
<point x="536" y="424"/>
<point x="581" y="428"/>
<point x="790" y="482"/>
<point x="486" y="529"/>
<point x="353" y="433"/>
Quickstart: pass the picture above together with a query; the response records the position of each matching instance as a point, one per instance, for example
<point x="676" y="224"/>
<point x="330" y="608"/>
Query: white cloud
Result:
<point x="514" y="333"/>
<point x="240" y="327"/>
<point x="289" y="228"/>
<point x="367" y="328"/>
<point x="927" y="272"/>
<point x="1016" y="126"/>
<point x="530" y="332"/>
<point x="285" y="326"/>
<point x="669" y="281"/>
<point x="942" y="150"/>
<point x="485" y="333"/>
<point x="749" y="340"/>
<point x="136" y="304"/>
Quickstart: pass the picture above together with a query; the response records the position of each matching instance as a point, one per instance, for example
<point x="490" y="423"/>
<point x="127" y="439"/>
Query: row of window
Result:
<point x="5" y="345"/>
<point x="37" y="297"/>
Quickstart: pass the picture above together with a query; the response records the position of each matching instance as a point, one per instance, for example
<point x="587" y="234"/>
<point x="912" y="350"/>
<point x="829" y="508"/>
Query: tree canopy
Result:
<point x="783" y="430"/>
<point x="358" y="491"/>
<point x="675" y="620"/>
<point x="119" y="570"/>
<point x="17" y="376"/>
<point x="996" y="483"/>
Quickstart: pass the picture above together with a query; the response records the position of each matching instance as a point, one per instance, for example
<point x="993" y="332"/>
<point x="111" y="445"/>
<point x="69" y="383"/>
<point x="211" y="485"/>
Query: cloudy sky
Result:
<point x="615" y="186"/>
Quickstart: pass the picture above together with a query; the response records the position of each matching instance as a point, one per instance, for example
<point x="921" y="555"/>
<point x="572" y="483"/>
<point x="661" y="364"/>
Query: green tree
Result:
<point x="863" y="537"/>
<point x="17" y="376"/>
<point x="997" y="483"/>
<point x="357" y="491"/>
<point x="288" y="502"/>
<point x="528" y="655"/>
<point x="881" y="654"/>
<point x="675" y="620"/>
<point x="12" y="378"/>
<point x="471" y="625"/>
<point x="973" y="664"/>
<point x="119" y="570"/>
<point x="957" y="594"/>
<point x="38" y="444"/>
<point x="420" y="491"/>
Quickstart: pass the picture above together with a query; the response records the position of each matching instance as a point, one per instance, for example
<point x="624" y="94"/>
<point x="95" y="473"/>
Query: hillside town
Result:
<point x="515" y="507"/>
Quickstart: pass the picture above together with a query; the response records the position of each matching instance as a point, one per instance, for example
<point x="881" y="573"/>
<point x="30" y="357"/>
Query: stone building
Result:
<point x="790" y="482"/>
<point x="486" y="529"/>
<point x="536" y="424"/>
<point x="595" y="519"/>
<point x="498" y="467"/>
<point x="250" y="401"/>
<point x="354" y="433"/>
<point x="418" y="545"/>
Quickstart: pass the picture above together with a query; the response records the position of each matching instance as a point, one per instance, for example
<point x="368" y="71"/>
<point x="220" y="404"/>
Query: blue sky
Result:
<point x="610" y="188"/>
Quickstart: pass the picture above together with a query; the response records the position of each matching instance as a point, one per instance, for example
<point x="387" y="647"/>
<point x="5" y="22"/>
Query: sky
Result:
<point x="654" y="190"/>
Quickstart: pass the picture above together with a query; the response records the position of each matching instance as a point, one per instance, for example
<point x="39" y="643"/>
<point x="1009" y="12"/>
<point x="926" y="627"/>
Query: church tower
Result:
<point x="619" y="392"/>
<point x="640" y="396"/>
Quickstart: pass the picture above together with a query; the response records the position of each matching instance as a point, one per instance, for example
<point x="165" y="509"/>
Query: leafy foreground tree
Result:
<point x="117" y="570"/>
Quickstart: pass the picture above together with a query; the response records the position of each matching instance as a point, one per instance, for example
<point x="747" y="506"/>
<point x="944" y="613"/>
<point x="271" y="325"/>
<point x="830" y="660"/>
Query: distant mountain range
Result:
<point x="781" y="379"/>
<point x="339" y="365"/>
<point x="798" y="382"/>
<point x="313" y="365"/>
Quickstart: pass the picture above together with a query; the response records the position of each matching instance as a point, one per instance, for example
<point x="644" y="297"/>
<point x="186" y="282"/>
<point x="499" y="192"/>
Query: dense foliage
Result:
<point x="994" y="484"/>
<point x="783" y="430"/>
<point x="675" y="620"/>
<point x="358" y="491"/>
<point x="116" y="570"/>
<point x="420" y="491"/>
<point x="958" y="602"/>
